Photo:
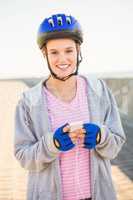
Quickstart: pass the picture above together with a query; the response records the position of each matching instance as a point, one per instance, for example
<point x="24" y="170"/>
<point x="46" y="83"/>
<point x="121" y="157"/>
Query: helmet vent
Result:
<point x="59" y="19"/>
<point x="50" y="21"/>
<point x="68" y="20"/>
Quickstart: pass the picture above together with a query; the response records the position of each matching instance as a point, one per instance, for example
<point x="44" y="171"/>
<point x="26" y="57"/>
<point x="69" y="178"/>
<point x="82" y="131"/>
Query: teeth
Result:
<point x="63" y="66"/>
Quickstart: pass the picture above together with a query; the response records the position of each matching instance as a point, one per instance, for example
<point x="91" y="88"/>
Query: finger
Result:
<point x="78" y="131"/>
<point x="81" y="131"/>
<point x="81" y="136"/>
<point x="73" y="134"/>
<point x="66" y="129"/>
<point x="74" y="141"/>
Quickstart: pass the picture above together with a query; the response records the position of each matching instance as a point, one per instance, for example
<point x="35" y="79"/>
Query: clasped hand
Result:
<point x="65" y="140"/>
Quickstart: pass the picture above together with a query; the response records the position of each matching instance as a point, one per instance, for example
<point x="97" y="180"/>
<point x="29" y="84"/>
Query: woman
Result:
<point x="68" y="126"/>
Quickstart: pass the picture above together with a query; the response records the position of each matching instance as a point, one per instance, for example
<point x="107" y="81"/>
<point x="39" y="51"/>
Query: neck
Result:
<point x="64" y="89"/>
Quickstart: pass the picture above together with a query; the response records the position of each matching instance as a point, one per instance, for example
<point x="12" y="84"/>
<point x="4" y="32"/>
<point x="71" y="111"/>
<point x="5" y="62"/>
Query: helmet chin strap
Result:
<point x="67" y="77"/>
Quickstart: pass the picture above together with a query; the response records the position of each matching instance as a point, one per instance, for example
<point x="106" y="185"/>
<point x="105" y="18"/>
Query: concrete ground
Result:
<point x="13" y="178"/>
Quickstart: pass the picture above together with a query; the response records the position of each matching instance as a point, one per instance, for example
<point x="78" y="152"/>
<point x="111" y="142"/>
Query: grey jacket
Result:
<point x="34" y="148"/>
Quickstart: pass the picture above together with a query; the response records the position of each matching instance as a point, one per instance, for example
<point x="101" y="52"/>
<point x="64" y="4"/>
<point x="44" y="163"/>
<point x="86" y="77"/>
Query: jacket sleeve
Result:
<point x="33" y="154"/>
<point x="112" y="127"/>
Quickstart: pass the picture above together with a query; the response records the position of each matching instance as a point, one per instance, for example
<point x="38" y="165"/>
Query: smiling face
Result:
<point x="62" y="56"/>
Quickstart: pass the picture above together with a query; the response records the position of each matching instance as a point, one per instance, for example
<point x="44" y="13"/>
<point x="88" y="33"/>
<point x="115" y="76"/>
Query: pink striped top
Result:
<point x="75" y="163"/>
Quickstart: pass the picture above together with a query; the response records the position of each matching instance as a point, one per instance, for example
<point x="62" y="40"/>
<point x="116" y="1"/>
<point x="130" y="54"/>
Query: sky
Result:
<point x="107" y="27"/>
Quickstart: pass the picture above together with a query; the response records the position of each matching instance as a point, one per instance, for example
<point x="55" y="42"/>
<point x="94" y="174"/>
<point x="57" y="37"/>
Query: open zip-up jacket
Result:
<point x="35" y="150"/>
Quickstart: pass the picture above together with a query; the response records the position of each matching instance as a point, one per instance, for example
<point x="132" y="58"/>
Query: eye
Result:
<point x="69" y="51"/>
<point x="54" y="52"/>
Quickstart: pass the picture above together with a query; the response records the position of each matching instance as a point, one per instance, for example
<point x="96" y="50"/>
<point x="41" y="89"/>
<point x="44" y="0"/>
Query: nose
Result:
<point x="62" y="58"/>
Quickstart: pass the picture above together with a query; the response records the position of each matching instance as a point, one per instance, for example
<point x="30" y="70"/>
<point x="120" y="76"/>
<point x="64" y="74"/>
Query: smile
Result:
<point x="63" y="67"/>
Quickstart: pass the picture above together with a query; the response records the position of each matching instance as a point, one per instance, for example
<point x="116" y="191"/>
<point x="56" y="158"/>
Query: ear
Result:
<point x="78" y="47"/>
<point x="43" y="50"/>
<point x="44" y="55"/>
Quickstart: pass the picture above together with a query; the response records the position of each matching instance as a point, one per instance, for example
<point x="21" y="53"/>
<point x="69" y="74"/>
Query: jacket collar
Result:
<point x="34" y="94"/>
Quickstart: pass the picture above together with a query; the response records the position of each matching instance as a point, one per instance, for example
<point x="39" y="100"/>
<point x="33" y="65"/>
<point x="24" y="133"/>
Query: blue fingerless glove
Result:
<point x="62" y="140"/>
<point x="92" y="135"/>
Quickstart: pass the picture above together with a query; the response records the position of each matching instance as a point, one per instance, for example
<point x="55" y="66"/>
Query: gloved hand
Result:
<point x="92" y="135"/>
<point x="62" y="140"/>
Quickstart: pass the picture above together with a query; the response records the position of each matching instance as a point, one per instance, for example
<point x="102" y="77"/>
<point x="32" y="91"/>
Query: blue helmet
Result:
<point x="59" y="26"/>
